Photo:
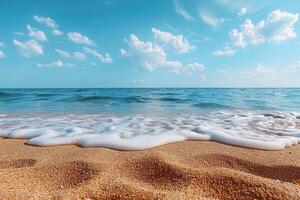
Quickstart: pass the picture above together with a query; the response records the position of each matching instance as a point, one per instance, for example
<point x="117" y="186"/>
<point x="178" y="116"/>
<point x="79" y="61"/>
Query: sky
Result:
<point x="144" y="43"/>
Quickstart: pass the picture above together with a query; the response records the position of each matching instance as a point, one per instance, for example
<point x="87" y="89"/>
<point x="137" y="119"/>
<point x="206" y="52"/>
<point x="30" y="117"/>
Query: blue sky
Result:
<point x="139" y="43"/>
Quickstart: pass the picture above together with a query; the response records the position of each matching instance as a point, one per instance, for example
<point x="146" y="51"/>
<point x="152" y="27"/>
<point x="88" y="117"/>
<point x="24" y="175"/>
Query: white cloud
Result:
<point x="225" y="52"/>
<point x="57" y="63"/>
<point x="237" y="5"/>
<point x="79" y="56"/>
<point x="45" y="20"/>
<point x="103" y="58"/>
<point x="222" y="71"/>
<point x="177" y="42"/>
<point x="261" y="71"/>
<point x="62" y="53"/>
<point x="292" y="68"/>
<point x="281" y="25"/>
<point x="138" y="81"/>
<point x="29" y="48"/>
<point x="2" y="55"/>
<point x="278" y="26"/>
<point x="237" y="38"/>
<point x="275" y="74"/>
<point x="18" y="33"/>
<point x="210" y="19"/>
<point x="50" y="23"/>
<point x="123" y="52"/>
<point x="80" y="39"/>
<point x="149" y="55"/>
<point x="57" y="32"/>
<point x="181" y="11"/>
<point x="194" y="66"/>
<point x="36" y="34"/>
<point x="243" y="11"/>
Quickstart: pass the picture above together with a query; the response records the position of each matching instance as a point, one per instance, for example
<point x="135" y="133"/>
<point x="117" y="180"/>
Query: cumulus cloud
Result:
<point x="210" y="19"/>
<point x="264" y="72"/>
<point x="106" y="58"/>
<point x="29" y="48"/>
<point x="57" y="63"/>
<point x="243" y="11"/>
<point x="36" y="34"/>
<point x="227" y="51"/>
<point x="46" y="21"/>
<point x="2" y="55"/>
<point x="80" y="39"/>
<point x="278" y="26"/>
<point x="149" y="55"/>
<point x="57" y="32"/>
<point x="237" y="38"/>
<point x="62" y="53"/>
<point x="123" y="52"/>
<point x="49" y="23"/>
<point x="274" y="75"/>
<point x="194" y="66"/>
<point x="177" y="42"/>
<point x="181" y="11"/>
<point x="79" y="56"/>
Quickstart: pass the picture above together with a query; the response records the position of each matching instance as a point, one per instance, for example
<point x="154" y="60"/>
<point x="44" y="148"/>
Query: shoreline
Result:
<point x="185" y="170"/>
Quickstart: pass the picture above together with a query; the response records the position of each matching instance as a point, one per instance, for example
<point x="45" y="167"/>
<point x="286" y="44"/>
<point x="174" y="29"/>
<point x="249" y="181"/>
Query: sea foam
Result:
<point x="268" y="131"/>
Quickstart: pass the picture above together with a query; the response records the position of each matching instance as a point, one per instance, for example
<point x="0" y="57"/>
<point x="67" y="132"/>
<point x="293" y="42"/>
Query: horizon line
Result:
<point x="297" y="87"/>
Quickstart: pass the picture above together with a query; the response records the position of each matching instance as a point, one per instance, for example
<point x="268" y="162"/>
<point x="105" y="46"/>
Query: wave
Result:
<point x="168" y="94"/>
<point x="132" y="99"/>
<point x="135" y="99"/>
<point x="210" y="105"/>
<point x="46" y="95"/>
<point x="173" y="99"/>
<point x="6" y="94"/>
<point x="269" y="131"/>
<point x="92" y="98"/>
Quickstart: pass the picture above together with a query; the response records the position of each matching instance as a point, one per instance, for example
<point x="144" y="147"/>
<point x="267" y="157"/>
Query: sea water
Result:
<point x="137" y="119"/>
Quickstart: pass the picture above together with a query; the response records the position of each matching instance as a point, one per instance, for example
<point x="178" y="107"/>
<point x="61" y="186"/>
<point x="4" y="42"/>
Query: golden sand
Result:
<point x="187" y="170"/>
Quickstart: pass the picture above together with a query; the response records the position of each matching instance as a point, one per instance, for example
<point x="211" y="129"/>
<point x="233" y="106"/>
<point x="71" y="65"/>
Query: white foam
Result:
<point x="269" y="131"/>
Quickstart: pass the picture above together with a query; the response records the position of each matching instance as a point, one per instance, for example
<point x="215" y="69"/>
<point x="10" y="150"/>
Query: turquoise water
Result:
<point x="136" y="119"/>
<point x="150" y="101"/>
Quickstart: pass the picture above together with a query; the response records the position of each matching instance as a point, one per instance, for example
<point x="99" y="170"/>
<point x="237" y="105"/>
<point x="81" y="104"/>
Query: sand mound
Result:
<point x="286" y="173"/>
<point x="228" y="184"/>
<point x="67" y="174"/>
<point x="188" y="170"/>
<point x="20" y="163"/>
<point x="157" y="172"/>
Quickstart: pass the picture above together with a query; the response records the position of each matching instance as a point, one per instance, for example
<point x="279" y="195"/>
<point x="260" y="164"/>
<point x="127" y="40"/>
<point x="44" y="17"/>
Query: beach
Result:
<point x="150" y="144"/>
<point x="185" y="170"/>
<point x="154" y="100"/>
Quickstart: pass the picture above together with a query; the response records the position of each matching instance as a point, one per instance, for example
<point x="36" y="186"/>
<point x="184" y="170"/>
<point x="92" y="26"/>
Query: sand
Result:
<point x="187" y="170"/>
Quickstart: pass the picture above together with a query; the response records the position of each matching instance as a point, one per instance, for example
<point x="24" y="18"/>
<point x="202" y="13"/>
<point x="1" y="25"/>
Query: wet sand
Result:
<point x="186" y="170"/>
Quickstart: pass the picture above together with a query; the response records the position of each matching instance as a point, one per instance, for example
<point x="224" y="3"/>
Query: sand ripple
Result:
<point x="190" y="170"/>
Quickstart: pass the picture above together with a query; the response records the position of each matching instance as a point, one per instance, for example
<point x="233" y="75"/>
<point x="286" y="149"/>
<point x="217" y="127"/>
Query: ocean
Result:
<point x="137" y="119"/>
